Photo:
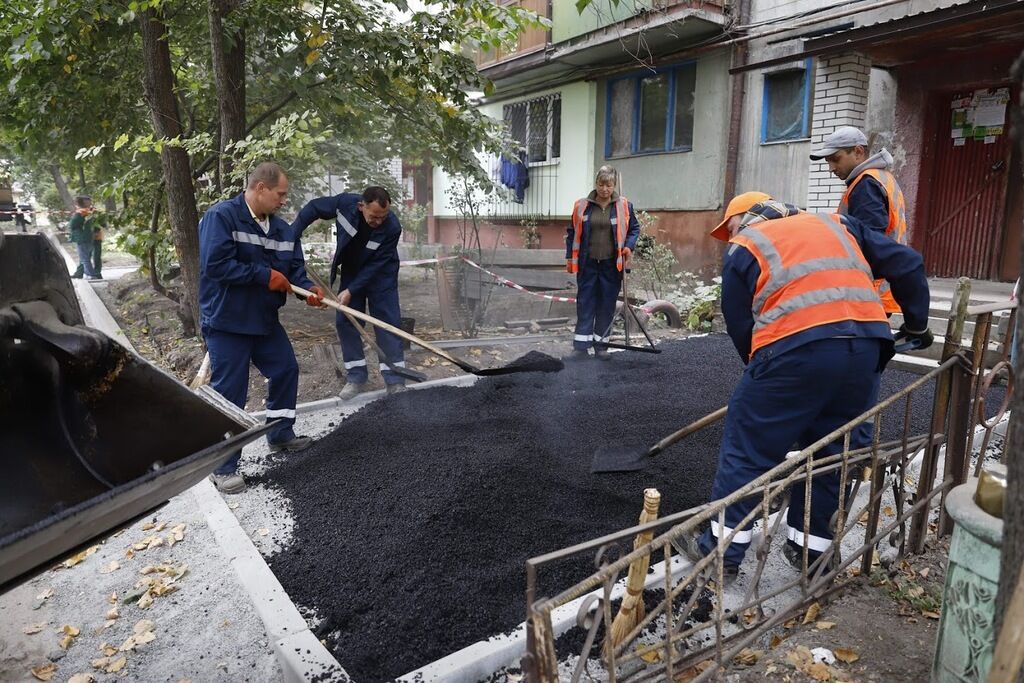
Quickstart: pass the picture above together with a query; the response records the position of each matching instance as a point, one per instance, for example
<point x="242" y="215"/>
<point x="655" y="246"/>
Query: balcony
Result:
<point x="530" y="40"/>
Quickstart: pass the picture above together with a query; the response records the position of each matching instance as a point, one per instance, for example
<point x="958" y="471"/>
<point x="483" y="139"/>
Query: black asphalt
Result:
<point x="413" y="518"/>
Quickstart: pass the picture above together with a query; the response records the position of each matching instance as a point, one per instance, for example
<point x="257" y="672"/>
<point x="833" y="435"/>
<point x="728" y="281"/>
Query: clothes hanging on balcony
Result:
<point x="515" y="174"/>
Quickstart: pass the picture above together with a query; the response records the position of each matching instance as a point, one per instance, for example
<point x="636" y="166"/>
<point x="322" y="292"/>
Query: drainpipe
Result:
<point x="739" y="58"/>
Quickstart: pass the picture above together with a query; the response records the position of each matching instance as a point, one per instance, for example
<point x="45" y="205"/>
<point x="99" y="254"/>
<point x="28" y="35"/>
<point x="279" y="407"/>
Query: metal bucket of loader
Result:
<point x="91" y="435"/>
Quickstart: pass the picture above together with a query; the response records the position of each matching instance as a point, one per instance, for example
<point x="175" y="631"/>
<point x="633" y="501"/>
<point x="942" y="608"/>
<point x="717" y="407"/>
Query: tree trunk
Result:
<point x="1013" y="511"/>
<point x="62" y="187"/>
<point x="82" y="189"/>
<point x="182" y="214"/>
<point x="228" y="50"/>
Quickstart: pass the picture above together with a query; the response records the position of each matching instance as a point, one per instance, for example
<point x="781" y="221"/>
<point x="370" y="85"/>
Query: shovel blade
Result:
<point x="531" y="362"/>
<point x="609" y="459"/>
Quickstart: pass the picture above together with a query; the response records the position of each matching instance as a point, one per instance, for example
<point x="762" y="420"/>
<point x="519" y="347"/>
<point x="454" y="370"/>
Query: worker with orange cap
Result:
<point x="800" y="306"/>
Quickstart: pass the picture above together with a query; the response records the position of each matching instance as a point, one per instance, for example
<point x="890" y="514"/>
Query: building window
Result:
<point x="651" y="113"/>
<point x="786" y="105"/>
<point x="537" y="126"/>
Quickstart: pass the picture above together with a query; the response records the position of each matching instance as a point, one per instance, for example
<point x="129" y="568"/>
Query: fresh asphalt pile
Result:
<point x="414" y="518"/>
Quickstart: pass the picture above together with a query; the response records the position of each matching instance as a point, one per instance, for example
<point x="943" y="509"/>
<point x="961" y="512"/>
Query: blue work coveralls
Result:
<point x="372" y="279"/>
<point x="598" y="281"/>
<point x="802" y="387"/>
<point x="239" y="314"/>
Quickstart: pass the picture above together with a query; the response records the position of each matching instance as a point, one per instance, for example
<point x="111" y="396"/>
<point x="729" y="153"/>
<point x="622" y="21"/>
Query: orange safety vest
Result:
<point x="812" y="273"/>
<point x="897" y="227"/>
<point x="620" y="225"/>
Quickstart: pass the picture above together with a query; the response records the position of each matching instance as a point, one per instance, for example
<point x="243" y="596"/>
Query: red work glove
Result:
<point x="278" y="282"/>
<point x="316" y="298"/>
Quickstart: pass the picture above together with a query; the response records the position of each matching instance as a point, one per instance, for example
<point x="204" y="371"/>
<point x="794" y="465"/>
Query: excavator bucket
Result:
<point x="91" y="435"/>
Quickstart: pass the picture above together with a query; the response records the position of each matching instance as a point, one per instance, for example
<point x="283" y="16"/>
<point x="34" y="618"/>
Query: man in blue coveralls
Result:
<point x="247" y="259"/>
<point x="366" y="265"/>
<point x="800" y="306"/>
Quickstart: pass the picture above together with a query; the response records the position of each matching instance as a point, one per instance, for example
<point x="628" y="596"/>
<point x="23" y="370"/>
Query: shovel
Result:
<point x="330" y="295"/>
<point x="543" y="362"/>
<point x="626" y="459"/>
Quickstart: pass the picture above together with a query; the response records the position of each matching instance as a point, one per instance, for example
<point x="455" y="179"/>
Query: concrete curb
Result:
<point x="300" y="653"/>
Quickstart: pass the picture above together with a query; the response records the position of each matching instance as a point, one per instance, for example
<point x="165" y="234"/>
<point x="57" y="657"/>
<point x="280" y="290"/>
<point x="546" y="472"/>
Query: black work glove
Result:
<point x="919" y="340"/>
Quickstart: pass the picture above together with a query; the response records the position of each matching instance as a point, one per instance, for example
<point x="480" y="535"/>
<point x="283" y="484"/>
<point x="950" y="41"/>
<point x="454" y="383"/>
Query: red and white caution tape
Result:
<point x="505" y="282"/>
<point x="425" y="261"/>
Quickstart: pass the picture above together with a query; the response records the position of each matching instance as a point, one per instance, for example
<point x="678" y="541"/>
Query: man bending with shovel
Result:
<point x="800" y="305"/>
<point x="366" y="263"/>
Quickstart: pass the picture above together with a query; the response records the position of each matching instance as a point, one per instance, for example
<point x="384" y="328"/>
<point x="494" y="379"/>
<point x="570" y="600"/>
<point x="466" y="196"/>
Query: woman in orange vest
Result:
<point x="598" y="245"/>
<point x="799" y="303"/>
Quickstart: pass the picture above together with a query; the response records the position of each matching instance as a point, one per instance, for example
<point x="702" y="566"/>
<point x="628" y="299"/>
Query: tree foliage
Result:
<point x="340" y="85"/>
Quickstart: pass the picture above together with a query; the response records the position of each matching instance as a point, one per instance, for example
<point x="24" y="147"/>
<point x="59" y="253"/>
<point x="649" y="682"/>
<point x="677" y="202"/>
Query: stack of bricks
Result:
<point x="840" y="99"/>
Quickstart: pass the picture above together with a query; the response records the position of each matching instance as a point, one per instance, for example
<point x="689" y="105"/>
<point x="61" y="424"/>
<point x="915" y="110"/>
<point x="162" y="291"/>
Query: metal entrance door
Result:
<point x="967" y="193"/>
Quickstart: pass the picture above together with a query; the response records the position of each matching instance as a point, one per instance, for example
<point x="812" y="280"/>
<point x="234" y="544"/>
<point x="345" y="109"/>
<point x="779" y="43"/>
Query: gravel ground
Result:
<point x="206" y="630"/>
<point x="410" y="530"/>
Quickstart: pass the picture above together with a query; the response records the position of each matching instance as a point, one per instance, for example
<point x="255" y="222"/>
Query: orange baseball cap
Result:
<point x="739" y="205"/>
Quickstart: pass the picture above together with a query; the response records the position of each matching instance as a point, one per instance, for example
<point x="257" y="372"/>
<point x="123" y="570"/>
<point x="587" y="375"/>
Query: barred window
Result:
<point x="537" y="126"/>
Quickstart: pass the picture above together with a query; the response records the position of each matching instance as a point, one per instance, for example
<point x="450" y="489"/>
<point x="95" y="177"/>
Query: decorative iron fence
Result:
<point x="698" y="623"/>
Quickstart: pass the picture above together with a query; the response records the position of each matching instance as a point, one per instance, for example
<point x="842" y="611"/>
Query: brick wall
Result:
<point x="840" y="99"/>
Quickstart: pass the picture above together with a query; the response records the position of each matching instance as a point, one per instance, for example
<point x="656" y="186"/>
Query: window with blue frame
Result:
<point x="650" y="113"/>
<point x="786" y="105"/>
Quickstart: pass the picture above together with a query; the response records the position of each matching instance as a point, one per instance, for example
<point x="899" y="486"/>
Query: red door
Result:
<point x="967" y="199"/>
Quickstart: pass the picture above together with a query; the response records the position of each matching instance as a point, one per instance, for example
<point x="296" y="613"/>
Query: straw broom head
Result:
<point x="631" y="611"/>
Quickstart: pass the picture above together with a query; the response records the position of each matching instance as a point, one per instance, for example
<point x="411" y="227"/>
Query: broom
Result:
<point x="631" y="611"/>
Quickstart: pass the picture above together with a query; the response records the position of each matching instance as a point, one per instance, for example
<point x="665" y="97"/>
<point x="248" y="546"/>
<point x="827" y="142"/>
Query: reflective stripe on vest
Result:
<point x="621" y="227"/>
<point x="812" y="273"/>
<point x="897" y="227"/>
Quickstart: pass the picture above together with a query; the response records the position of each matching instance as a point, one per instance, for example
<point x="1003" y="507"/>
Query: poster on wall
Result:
<point x="979" y="116"/>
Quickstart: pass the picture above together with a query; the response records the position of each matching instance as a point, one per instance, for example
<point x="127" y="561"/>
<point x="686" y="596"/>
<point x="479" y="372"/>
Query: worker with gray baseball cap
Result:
<point x="844" y="137"/>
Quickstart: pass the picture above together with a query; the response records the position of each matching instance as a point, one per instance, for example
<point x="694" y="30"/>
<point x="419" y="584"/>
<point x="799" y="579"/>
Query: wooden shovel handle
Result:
<point x="710" y="418"/>
<point x="398" y="332"/>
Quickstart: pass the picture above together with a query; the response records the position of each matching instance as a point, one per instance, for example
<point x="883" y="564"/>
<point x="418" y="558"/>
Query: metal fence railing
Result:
<point x="697" y="622"/>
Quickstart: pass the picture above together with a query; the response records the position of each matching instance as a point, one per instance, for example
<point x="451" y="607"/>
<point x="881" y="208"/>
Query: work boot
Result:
<point x="351" y="390"/>
<point x="228" y="483"/>
<point x="576" y="354"/>
<point x="794" y="555"/>
<point x="292" y="445"/>
<point x="396" y="388"/>
<point x="689" y="546"/>
<point x="601" y="353"/>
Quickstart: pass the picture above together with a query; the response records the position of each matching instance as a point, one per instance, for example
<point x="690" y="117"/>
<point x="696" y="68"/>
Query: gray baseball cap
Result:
<point x="843" y="137"/>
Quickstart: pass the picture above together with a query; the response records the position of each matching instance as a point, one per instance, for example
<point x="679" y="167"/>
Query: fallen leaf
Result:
<point x="112" y="567"/>
<point x="846" y="655"/>
<point x="925" y="572"/>
<point x="819" y="671"/>
<point x="748" y="657"/>
<point x="800" y="657"/>
<point x="129" y="554"/>
<point x="148" y="525"/>
<point x="915" y="592"/>
<point x="155" y="543"/>
<point x="145" y="600"/>
<point x="69" y="630"/>
<point x="112" y="613"/>
<point x="651" y="656"/>
<point x="44" y="672"/>
<point x="112" y="599"/>
<point x="79" y="557"/>
<point x="812" y="613"/>
<point x="34" y="628"/>
<point x="930" y="614"/>
<point x="825" y="625"/>
<point x="179" y="530"/>
<point x="143" y="638"/>
<point x="911" y="620"/>
<point x="81" y="678"/>
<point x="116" y="665"/>
<point x="107" y="624"/>
<point x="789" y="624"/>
<point x="232" y="506"/>
<point x="770" y="670"/>
<point x="263" y="532"/>
<point x="143" y="625"/>
<point x="888" y="511"/>
<point x="45" y="595"/>
<point x="775" y="642"/>
<point x="108" y="649"/>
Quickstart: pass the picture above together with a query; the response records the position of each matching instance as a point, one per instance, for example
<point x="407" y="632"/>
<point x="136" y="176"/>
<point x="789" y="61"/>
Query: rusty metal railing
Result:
<point x="698" y="621"/>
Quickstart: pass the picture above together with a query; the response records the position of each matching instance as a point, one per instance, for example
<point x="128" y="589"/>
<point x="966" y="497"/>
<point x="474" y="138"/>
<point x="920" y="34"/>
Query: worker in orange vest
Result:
<point x="801" y="309"/>
<point x="872" y="194"/>
<point x="598" y="245"/>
